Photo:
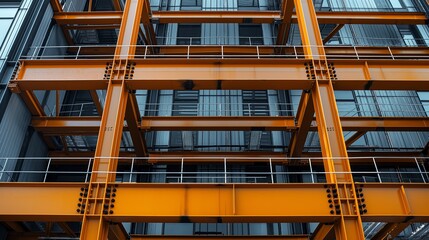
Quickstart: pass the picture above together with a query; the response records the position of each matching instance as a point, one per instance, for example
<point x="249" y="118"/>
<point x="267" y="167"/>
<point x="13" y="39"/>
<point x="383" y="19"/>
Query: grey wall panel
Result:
<point x="13" y="127"/>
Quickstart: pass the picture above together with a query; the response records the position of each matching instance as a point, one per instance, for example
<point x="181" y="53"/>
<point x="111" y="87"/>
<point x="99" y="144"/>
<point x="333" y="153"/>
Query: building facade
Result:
<point x="206" y="118"/>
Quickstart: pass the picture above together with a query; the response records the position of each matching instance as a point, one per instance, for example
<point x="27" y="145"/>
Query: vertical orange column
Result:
<point x="329" y="127"/>
<point x="98" y="198"/>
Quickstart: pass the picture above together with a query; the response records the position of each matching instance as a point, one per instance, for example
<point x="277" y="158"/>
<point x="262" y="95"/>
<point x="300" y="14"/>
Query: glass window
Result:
<point x="250" y="34"/>
<point x="4" y="27"/>
<point x="189" y="34"/>
<point x="424" y="98"/>
<point x="8" y="12"/>
<point x="248" y="4"/>
<point x="191" y="5"/>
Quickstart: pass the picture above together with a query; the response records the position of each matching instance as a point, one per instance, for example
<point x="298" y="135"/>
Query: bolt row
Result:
<point x="333" y="201"/>
<point x="81" y="205"/>
<point x="109" y="203"/>
<point x="361" y="199"/>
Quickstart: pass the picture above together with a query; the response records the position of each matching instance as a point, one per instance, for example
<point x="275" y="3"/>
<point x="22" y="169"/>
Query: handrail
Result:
<point x="227" y="170"/>
<point x="187" y="51"/>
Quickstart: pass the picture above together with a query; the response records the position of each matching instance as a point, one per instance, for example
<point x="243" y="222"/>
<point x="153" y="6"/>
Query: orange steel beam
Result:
<point x="96" y="100"/>
<point x="332" y="33"/>
<point x="354" y="138"/>
<point x="88" y="18"/>
<point x="322" y="231"/>
<point x="286" y="22"/>
<point x="102" y="18"/>
<point x="132" y="115"/>
<point x="270" y="16"/>
<point x="302" y="202"/>
<point x="222" y="74"/>
<point x="149" y="31"/>
<point x="33" y="103"/>
<point x="218" y="123"/>
<point x="117" y="5"/>
<point x="56" y="6"/>
<point x="349" y="225"/>
<point x="390" y="231"/>
<point x="94" y="225"/>
<point x="90" y="125"/>
<point x="41" y="202"/>
<point x="117" y="232"/>
<point x="304" y="119"/>
<point x="249" y="154"/>
<point x="156" y="237"/>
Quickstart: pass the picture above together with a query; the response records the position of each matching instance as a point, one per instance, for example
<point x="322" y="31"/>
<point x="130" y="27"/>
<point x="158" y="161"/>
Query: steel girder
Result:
<point x="72" y="20"/>
<point x="137" y="202"/>
<point x="91" y="125"/>
<point x="279" y="74"/>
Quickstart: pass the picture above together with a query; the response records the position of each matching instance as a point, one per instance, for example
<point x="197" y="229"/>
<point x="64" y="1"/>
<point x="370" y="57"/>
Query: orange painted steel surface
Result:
<point x="387" y="202"/>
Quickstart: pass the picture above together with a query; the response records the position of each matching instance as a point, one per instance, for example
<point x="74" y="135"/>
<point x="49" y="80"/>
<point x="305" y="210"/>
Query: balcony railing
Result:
<point x="345" y="109"/>
<point x="219" y="52"/>
<point x="216" y="170"/>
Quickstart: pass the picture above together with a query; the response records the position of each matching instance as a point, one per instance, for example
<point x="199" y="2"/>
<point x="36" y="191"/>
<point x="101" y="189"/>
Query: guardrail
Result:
<point x="216" y="52"/>
<point x="217" y="170"/>
<point x="345" y="109"/>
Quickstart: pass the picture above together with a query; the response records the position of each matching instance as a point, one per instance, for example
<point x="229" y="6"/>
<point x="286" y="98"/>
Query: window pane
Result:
<point x="188" y="34"/>
<point x="424" y="96"/>
<point x="7" y="12"/>
<point x="344" y="95"/>
<point x="250" y="35"/>
<point x="4" y="27"/>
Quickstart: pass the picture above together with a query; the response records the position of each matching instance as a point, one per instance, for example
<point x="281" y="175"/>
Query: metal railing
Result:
<point x="75" y="109"/>
<point x="216" y="52"/>
<point x="218" y="170"/>
<point x="345" y="109"/>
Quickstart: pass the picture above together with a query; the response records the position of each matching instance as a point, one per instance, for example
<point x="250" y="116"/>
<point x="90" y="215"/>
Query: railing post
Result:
<point x="132" y="169"/>
<point x="296" y="53"/>
<point x="78" y="52"/>
<point x="181" y="171"/>
<point x="311" y="170"/>
<point x="390" y="51"/>
<point x="376" y="169"/>
<point x="81" y="110"/>
<point x="257" y="51"/>
<point x="421" y="173"/>
<point x="357" y="55"/>
<point x="145" y="52"/>
<point x="224" y="166"/>
<point x="271" y="171"/>
<point x="4" y="168"/>
<point x="87" y="169"/>
<point x="47" y="169"/>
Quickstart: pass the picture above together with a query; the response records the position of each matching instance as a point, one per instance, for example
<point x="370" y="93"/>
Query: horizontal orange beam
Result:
<point x="301" y="202"/>
<point x="40" y="202"/>
<point x="90" y="125"/>
<point x="73" y="19"/>
<point x="68" y="156"/>
<point x="199" y="74"/>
